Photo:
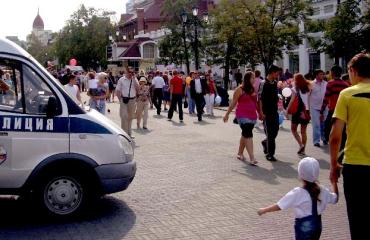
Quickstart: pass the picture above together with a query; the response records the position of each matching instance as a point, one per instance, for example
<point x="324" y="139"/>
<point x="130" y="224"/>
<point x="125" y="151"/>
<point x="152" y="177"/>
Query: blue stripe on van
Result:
<point x="56" y="125"/>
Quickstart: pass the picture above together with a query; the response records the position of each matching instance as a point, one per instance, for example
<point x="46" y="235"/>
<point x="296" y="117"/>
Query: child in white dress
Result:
<point x="308" y="201"/>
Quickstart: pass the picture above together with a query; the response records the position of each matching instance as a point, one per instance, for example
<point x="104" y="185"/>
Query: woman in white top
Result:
<point x="308" y="201"/>
<point x="72" y="88"/>
<point x="301" y="116"/>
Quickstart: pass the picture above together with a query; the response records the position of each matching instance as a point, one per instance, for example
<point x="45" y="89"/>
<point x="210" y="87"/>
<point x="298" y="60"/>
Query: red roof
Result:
<point x="132" y="50"/>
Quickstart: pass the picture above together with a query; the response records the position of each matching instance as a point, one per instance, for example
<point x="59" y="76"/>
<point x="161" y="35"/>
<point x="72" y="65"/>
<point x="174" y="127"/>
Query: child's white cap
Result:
<point x="308" y="169"/>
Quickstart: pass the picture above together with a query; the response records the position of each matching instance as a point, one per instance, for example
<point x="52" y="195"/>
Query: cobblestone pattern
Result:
<point x="189" y="185"/>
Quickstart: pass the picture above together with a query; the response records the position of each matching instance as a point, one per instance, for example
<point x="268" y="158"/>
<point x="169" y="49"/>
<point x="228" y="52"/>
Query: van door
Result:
<point x="27" y="136"/>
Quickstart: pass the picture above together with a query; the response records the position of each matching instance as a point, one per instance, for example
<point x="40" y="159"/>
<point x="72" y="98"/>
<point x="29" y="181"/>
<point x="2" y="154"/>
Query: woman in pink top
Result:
<point x="245" y="100"/>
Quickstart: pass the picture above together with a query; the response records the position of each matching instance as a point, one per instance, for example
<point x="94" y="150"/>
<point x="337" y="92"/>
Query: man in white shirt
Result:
<point x="158" y="83"/>
<point x="126" y="90"/>
<point x="72" y="88"/>
<point x="316" y="99"/>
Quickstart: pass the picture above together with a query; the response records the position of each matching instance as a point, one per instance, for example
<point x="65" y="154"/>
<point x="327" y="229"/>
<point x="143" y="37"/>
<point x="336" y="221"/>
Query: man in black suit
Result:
<point x="198" y="88"/>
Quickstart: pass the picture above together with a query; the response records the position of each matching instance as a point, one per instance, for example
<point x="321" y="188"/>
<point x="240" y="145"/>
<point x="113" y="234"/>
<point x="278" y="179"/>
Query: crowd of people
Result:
<point x="336" y="104"/>
<point x="137" y="92"/>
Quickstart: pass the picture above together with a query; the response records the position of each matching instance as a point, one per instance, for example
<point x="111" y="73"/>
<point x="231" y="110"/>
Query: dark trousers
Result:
<point x="157" y="99"/>
<point x="176" y="100"/>
<point x="271" y="125"/>
<point x="199" y="103"/>
<point x="355" y="180"/>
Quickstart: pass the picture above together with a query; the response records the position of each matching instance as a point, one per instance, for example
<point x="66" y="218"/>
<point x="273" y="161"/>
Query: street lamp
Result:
<point x="193" y="21"/>
<point x="184" y="17"/>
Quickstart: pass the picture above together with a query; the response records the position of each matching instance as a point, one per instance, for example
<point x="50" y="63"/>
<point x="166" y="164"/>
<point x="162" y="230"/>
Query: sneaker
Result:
<point x="181" y="121"/>
<point x="317" y="145"/>
<point x="271" y="158"/>
<point x="325" y="142"/>
<point x="169" y="119"/>
<point x="145" y="128"/>
<point x="264" y="146"/>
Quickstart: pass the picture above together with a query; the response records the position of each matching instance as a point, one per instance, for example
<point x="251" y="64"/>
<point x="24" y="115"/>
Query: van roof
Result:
<point x="8" y="46"/>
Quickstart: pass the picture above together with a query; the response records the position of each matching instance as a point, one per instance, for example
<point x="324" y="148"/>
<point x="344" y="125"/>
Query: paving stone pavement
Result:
<point x="189" y="185"/>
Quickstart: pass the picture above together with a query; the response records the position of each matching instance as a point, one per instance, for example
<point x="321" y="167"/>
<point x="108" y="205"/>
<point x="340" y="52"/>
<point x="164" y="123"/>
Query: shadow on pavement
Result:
<point x="178" y="124"/>
<point x="142" y="131"/>
<point x="280" y="169"/>
<point x="202" y="122"/>
<point x="324" y="164"/>
<point x="108" y="218"/>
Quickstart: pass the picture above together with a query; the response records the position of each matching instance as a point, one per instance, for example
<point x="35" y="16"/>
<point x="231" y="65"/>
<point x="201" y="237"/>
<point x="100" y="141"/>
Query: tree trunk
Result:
<point x="227" y="65"/>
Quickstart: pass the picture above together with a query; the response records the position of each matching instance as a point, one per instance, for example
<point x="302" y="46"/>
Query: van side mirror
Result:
<point x="52" y="107"/>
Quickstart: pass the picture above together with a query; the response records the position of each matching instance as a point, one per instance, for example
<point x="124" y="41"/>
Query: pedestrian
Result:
<point x="308" y="201"/>
<point x="333" y="88"/>
<point x="143" y="96"/>
<point x="176" y="95"/>
<point x="100" y="93"/>
<point x="316" y="99"/>
<point x="353" y="111"/>
<point x="245" y="100"/>
<point x="238" y="76"/>
<point x="268" y="111"/>
<point x="211" y="93"/>
<point x="126" y="92"/>
<point x="72" y="88"/>
<point x="191" y="101"/>
<point x="65" y="78"/>
<point x="158" y="83"/>
<point x="300" y="94"/>
<point x="166" y="94"/>
<point x="198" y="90"/>
<point x="112" y="87"/>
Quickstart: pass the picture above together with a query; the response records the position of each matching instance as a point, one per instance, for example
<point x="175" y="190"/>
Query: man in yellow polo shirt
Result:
<point x="353" y="110"/>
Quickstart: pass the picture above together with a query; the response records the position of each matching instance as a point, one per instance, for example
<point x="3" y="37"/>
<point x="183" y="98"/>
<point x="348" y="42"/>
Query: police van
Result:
<point x="51" y="148"/>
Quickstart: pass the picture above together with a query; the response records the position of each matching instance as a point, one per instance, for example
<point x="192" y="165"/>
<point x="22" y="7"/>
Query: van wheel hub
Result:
<point x="63" y="196"/>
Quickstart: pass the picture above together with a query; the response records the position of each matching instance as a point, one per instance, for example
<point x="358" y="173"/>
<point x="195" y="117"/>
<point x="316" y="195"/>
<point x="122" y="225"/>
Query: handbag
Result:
<point x="186" y="104"/>
<point x="294" y="106"/>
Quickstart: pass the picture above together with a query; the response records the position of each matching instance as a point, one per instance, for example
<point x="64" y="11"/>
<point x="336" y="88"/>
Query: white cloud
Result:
<point x="17" y="16"/>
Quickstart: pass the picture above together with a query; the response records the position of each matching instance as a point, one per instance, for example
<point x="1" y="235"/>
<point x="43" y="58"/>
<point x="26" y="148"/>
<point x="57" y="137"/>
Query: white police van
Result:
<point x="50" y="147"/>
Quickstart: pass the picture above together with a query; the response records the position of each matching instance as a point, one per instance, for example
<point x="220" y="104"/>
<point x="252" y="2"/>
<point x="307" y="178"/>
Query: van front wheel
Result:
<point x="62" y="195"/>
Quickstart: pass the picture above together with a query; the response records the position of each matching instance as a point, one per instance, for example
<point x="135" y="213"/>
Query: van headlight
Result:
<point x="127" y="147"/>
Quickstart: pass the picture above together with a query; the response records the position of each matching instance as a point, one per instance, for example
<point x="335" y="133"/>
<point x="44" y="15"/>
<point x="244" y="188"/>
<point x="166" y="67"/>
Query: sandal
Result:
<point x="241" y="158"/>
<point x="253" y="162"/>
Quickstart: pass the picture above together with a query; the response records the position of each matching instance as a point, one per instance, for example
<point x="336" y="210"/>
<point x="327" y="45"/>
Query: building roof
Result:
<point x="38" y="23"/>
<point x="154" y="12"/>
<point x="133" y="48"/>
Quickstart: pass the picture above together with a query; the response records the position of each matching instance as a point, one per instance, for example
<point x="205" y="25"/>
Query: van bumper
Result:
<point x="116" y="177"/>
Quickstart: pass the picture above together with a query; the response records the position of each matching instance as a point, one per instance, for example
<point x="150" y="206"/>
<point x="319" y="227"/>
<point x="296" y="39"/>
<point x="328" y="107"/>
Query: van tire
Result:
<point x="62" y="195"/>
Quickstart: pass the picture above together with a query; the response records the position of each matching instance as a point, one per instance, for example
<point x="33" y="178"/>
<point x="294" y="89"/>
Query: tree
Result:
<point x="85" y="37"/>
<point x="342" y="33"/>
<point x="272" y="26"/>
<point x="175" y="47"/>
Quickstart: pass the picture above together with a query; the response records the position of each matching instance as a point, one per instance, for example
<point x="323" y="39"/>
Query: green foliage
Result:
<point x="85" y="38"/>
<point x="345" y="33"/>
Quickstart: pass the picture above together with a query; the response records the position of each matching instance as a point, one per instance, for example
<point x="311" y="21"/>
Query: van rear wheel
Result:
<point x="62" y="196"/>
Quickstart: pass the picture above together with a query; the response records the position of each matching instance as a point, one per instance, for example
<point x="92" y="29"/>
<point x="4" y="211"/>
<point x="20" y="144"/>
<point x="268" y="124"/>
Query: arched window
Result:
<point x="148" y="50"/>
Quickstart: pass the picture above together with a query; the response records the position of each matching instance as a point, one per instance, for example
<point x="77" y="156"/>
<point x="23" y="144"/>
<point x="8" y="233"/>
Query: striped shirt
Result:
<point x="333" y="89"/>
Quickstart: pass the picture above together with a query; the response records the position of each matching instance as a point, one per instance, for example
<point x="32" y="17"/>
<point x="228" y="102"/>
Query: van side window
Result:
<point x="36" y="92"/>
<point x="10" y="87"/>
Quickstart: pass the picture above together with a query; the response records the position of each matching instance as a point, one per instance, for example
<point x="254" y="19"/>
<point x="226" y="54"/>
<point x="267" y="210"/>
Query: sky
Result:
<point x="17" y="16"/>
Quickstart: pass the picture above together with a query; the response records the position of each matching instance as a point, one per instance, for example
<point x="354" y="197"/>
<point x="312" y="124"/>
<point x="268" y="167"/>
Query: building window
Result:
<point x="316" y="11"/>
<point x="315" y="62"/>
<point x="329" y="8"/>
<point x="148" y="51"/>
<point x="294" y="63"/>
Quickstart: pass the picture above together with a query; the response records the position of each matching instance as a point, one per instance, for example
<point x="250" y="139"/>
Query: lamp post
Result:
<point x="194" y="21"/>
<point x="184" y="17"/>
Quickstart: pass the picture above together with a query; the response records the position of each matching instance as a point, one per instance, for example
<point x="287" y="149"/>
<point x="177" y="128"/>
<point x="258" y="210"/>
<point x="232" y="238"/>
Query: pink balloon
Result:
<point x="73" y="62"/>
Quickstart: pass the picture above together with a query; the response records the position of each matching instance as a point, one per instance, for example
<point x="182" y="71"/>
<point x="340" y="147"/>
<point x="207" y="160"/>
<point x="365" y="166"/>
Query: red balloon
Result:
<point x="73" y="62"/>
